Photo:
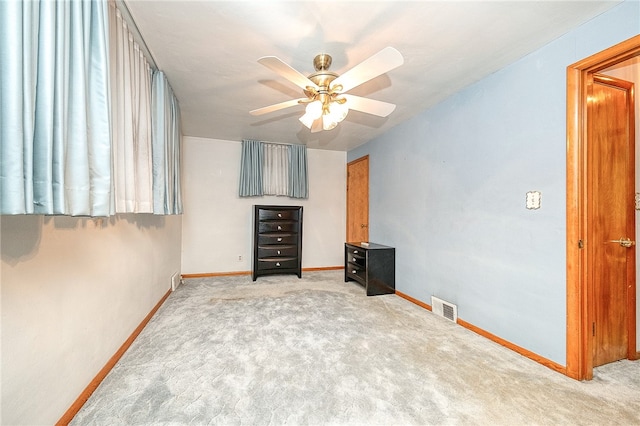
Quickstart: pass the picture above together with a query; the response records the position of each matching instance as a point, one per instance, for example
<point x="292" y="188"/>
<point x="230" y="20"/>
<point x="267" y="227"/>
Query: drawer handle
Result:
<point x="277" y="263"/>
<point x="279" y="239"/>
<point x="279" y="214"/>
<point x="355" y="271"/>
<point x="355" y="252"/>
<point x="355" y="260"/>
<point x="279" y="228"/>
<point x="278" y="251"/>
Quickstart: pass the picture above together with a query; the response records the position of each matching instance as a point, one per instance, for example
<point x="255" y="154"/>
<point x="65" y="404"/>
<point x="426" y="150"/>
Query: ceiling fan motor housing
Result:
<point x="322" y="77"/>
<point x="322" y="62"/>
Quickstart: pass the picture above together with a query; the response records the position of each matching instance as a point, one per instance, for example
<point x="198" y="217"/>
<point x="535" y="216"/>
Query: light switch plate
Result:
<point x="533" y="200"/>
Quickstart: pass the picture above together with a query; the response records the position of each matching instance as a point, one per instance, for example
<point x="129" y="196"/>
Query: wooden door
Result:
<point x="611" y="217"/>
<point x="358" y="200"/>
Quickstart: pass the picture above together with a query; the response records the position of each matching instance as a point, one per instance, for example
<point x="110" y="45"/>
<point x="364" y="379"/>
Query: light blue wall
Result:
<point x="447" y="189"/>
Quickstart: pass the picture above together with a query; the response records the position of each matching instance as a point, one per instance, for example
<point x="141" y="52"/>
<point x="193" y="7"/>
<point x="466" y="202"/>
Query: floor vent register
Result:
<point x="444" y="309"/>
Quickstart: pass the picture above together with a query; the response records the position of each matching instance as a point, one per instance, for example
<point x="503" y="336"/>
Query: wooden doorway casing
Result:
<point x="579" y="305"/>
<point x="358" y="200"/>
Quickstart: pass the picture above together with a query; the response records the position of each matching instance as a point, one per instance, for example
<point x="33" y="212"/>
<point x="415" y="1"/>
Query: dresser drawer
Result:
<point x="274" y="263"/>
<point x="277" y="226"/>
<point x="355" y="251"/>
<point x="356" y="272"/>
<point x="357" y="259"/>
<point x="276" y="239"/>
<point x="264" y="214"/>
<point x="277" y="250"/>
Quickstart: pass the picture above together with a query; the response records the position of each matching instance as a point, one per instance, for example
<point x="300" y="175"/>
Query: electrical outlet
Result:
<point x="533" y="200"/>
<point x="239" y="258"/>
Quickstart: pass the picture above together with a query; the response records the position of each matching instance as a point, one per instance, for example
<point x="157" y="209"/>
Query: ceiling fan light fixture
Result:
<point x="338" y="111"/>
<point x="328" y="122"/>
<point x="307" y="120"/>
<point x="314" y="109"/>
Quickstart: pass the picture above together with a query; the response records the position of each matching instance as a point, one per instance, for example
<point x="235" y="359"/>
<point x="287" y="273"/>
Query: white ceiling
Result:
<point x="209" y="52"/>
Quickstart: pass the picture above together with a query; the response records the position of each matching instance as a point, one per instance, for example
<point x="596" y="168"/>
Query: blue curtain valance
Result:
<point x="252" y="169"/>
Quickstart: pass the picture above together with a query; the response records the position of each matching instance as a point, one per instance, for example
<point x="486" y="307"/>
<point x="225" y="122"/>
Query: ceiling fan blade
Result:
<point x="378" y="64"/>
<point x="276" y="107"/>
<point x="370" y="106"/>
<point x="286" y="71"/>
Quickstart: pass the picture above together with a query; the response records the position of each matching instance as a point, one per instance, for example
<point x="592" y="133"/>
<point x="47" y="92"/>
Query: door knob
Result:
<point x="624" y="242"/>
<point x="363" y="226"/>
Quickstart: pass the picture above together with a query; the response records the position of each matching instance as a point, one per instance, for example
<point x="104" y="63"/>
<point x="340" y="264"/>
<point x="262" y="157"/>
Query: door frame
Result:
<point x="579" y="307"/>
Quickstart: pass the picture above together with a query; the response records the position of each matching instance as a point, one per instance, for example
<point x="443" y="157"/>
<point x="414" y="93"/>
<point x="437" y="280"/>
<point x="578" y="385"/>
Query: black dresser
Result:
<point x="277" y="240"/>
<point x="372" y="265"/>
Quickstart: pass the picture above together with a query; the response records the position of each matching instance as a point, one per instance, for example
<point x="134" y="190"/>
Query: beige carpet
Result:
<point x="229" y="351"/>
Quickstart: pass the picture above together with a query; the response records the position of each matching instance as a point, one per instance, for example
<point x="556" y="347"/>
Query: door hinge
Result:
<point x="580" y="244"/>
<point x="593" y="329"/>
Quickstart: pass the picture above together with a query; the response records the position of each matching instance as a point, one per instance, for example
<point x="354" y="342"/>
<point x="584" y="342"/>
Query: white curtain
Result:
<point x="55" y="141"/>
<point x="275" y="174"/>
<point x="131" y="119"/>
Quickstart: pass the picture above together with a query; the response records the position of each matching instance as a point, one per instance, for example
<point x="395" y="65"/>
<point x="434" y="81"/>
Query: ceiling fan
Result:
<point x="326" y="100"/>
